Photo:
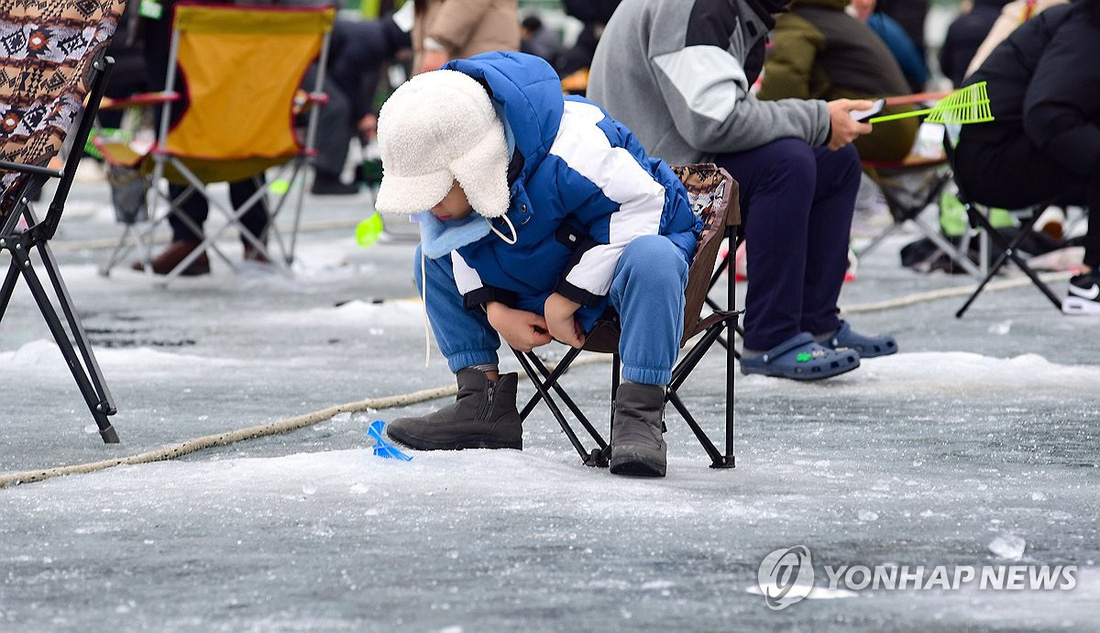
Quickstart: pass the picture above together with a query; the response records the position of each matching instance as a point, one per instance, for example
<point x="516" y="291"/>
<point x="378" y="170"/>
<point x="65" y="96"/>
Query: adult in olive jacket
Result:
<point x="821" y="52"/>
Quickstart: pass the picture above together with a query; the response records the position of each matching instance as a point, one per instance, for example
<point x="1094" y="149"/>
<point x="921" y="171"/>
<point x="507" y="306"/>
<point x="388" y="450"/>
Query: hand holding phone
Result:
<point x="863" y="115"/>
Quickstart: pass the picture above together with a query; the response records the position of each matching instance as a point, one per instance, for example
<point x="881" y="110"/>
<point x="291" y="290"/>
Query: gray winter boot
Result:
<point x="637" y="445"/>
<point x="483" y="416"/>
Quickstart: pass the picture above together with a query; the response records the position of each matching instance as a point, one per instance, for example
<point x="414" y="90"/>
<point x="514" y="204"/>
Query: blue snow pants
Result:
<point x="647" y="291"/>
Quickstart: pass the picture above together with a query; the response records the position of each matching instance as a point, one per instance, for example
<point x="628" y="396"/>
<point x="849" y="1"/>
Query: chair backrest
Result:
<point x="242" y="68"/>
<point x="46" y="52"/>
<point x="713" y="195"/>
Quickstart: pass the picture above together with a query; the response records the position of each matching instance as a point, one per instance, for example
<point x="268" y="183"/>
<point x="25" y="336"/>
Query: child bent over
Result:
<point x="536" y="213"/>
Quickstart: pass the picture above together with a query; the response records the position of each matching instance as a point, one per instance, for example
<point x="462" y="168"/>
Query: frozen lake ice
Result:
<point x="977" y="445"/>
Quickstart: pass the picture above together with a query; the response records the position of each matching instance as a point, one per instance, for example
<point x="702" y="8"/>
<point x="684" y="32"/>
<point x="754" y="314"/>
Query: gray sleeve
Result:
<point x="712" y="109"/>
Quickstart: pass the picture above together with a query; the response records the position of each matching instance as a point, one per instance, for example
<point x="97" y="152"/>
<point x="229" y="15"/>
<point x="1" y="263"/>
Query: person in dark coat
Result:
<point x="358" y="51"/>
<point x="965" y="35"/>
<point x="594" y="14"/>
<point x="1044" y="143"/>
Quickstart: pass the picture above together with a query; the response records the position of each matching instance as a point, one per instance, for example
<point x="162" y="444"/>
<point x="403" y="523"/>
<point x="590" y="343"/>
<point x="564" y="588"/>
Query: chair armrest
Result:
<point x="304" y="101"/>
<point x="921" y="97"/>
<point x="29" y="169"/>
<point x="139" y="100"/>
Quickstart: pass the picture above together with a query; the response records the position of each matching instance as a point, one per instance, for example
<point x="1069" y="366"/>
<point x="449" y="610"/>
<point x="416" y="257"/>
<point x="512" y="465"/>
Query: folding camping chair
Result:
<point x="978" y="215"/>
<point x="713" y="195"/>
<point x="242" y="68"/>
<point x="909" y="187"/>
<point x="52" y="57"/>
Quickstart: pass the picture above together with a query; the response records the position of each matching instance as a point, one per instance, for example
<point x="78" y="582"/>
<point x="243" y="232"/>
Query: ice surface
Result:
<point x="982" y="429"/>
<point x="1008" y="546"/>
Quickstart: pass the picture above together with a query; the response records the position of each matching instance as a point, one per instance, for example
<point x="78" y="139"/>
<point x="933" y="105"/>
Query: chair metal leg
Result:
<point x="122" y="249"/>
<point x="730" y="400"/>
<point x="590" y="458"/>
<point x="572" y="406"/>
<point x="552" y="379"/>
<point x="616" y="370"/>
<point x="88" y="378"/>
<point x="9" y="286"/>
<point x="1009" y="248"/>
<point x="680" y="374"/>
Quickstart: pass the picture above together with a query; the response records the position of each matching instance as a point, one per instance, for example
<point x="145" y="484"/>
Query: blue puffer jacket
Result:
<point x="582" y="187"/>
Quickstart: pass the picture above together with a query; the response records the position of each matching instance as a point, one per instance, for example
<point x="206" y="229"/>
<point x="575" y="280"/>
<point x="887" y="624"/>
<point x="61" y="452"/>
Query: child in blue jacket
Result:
<point x="537" y="212"/>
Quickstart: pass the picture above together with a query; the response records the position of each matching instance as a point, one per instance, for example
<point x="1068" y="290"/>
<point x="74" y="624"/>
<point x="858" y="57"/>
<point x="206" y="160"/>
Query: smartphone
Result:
<point x="863" y="115"/>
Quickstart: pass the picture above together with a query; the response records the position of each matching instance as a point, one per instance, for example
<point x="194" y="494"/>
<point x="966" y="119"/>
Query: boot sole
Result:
<point x="1079" y="306"/>
<point x="636" y="466"/>
<point x="473" y="441"/>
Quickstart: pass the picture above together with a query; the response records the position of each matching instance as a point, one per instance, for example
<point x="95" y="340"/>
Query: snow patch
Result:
<point x="396" y="313"/>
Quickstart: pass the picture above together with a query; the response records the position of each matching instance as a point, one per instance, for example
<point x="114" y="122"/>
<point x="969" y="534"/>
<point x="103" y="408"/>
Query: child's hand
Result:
<point x="559" y="313"/>
<point x="521" y="329"/>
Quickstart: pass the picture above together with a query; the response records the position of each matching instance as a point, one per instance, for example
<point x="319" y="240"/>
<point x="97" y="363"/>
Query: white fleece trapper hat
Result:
<point x="437" y="128"/>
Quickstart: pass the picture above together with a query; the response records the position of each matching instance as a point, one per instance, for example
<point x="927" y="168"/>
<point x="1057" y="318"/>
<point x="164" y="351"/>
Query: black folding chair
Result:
<point x="44" y="80"/>
<point x="909" y="187"/>
<point x="978" y="215"/>
<point x="713" y="194"/>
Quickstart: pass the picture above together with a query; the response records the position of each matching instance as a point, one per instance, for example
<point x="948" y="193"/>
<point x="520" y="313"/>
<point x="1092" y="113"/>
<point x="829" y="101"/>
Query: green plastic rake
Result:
<point x="968" y="105"/>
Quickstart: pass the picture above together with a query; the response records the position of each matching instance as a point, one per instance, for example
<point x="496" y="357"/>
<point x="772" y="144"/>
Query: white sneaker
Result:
<point x="1084" y="295"/>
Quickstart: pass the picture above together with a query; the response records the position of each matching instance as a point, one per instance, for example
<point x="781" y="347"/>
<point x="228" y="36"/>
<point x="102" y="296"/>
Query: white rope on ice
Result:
<point x="948" y="293"/>
<point x="174" y="451"/>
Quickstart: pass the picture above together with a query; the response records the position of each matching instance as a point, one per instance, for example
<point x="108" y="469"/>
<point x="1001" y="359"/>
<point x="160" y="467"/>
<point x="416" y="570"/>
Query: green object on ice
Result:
<point x="368" y="231"/>
<point x="953" y="220"/>
<point x="804" y="357"/>
<point x="280" y="186"/>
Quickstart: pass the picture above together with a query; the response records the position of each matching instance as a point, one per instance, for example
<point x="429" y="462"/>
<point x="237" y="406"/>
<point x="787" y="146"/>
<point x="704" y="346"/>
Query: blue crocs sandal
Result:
<point x="865" y="346"/>
<point x="800" y="358"/>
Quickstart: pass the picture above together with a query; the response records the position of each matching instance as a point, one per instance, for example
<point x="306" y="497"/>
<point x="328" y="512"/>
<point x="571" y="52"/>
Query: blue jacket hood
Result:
<point x="529" y="91"/>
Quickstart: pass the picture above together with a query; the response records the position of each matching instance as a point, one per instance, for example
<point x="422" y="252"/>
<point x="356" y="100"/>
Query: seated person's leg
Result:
<point x="184" y="238"/>
<point x="1092" y="238"/>
<point x="777" y="189"/>
<point x="838" y="178"/>
<point x="777" y="184"/>
<point x="1084" y="289"/>
<point x="335" y="131"/>
<point x="255" y="220"/>
<point x="648" y="294"/>
<point x="830" y="226"/>
<point x="484" y="414"/>
<point x="1015" y="174"/>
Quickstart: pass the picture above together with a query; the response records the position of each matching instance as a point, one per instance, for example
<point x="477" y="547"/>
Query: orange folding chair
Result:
<point x="243" y="67"/>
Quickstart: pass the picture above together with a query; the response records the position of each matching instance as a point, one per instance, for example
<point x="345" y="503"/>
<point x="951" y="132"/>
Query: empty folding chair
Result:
<point x="713" y="195"/>
<point x="912" y="184"/>
<point x="909" y="187"/>
<point x="52" y="59"/>
<point x="243" y="66"/>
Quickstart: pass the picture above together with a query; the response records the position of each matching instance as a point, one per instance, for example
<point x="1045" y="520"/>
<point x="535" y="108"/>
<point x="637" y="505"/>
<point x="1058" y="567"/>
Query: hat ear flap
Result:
<point x="483" y="173"/>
